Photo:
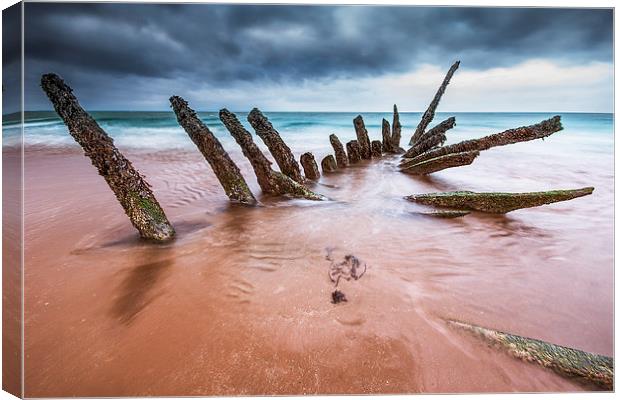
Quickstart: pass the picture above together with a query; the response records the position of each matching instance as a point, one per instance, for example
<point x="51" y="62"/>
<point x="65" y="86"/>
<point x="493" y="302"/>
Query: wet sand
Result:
<point x="240" y="303"/>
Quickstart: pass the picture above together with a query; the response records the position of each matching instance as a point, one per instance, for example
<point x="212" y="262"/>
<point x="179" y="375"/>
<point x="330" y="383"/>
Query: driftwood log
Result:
<point x="224" y="168"/>
<point x="341" y="155"/>
<point x="362" y="137"/>
<point x="278" y="149"/>
<point x="586" y="367"/>
<point x="328" y="164"/>
<point x="499" y="203"/>
<point x="131" y="190"/>
<point x="353" y="152"/>
<point x="510" y="136"/>
<point x="429" y="114"/>
<point x="270" y="181"/>
<point x="311" y="171"/>
<point x="375" y="148"/>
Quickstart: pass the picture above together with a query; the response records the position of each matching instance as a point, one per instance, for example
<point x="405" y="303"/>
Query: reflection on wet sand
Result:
<point x="240" y="302"/>
<point x="140" y="286"/>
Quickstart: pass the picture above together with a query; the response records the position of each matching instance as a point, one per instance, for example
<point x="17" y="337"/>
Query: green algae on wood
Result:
<point x="440" y="163"/>
<point x="587" y="367"/>
<point x="496" y="202"/>
<point x="429" y="114"/>
<point x="522" y="134"/>
<point x="131" y="190"/>
<point x="278" y="149"/>
<point x="271" y="182"/>
<point x="223" y="166"/>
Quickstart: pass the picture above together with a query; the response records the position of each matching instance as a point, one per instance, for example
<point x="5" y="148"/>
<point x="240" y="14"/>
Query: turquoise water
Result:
<point x="301" y="130"/>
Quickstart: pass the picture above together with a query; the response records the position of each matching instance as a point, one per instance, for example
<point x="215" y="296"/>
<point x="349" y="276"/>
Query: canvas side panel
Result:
<point x="12" y="210"/>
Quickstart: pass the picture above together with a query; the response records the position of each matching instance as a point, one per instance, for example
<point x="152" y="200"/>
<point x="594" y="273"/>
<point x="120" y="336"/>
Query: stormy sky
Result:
<point x="323" y="58"/>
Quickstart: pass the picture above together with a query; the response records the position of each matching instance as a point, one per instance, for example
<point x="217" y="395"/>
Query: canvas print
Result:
<point x="237" y="199"/>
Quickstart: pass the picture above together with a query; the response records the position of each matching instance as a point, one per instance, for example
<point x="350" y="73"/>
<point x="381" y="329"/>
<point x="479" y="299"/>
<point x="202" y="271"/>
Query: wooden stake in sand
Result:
<point x="353" y="152"/>
<point x="270" y="181"/>
<point x="588" y="367"/>
<point x="278" y="149"/>
<point x="341" y="155"/>
<point x="225" y="169"/>
<point x="311" y="170"/>
<point x="362" y="137"/>
<point x="396" y="127"/>
<point x="129" y="187"/>
<point x="429" y="114"/>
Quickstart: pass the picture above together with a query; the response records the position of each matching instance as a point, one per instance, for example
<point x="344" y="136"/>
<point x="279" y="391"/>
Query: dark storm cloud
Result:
<point x="224" y="44"/>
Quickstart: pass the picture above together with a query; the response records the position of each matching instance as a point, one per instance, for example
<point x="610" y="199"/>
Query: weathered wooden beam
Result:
<point x="270" y="181"/>
<point x="223" y="166"/>
<point x="353" y="152"/>
<point x="429" y="114"/>
<point x="341" y="155"/>
<point x="131" y="190"/>
<point x="440" y="163"/>
<point x="510" y="136"/>
<point x="386" y="135"/>
<point x="280" y="151"/>
<point x="496" y="202"/>
<point x="375" y="148"/>
<point x="362" y="137"/>
<point x="432" y="138"/>
<point x="396" y="128"/>
<point x="586" y="367"/>
<point x="328" y="164"/>
<point x="311" y="170"/>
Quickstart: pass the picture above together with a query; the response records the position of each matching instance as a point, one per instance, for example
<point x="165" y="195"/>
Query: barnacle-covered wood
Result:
<point x="224" y="168"/>
<point x="510" y="136"/>
<point x="328" y="164"/>
<point x="353" y="152"/>
<point x="497" y="202"/>
<point x="132" y="191"/>
<point x="375" y="148"/>
<point x="270" y="181"/>
<point x="311" y="170"/>
<point x="396" y="128"/>
<point x="585" y="367"/>
<point x="280" y="151"/>
<point x="430" y="139"/>
<point x="429" y="114"/>
<point x="362" y="137"/>
<point x="341" y="155"/>
<point x="440" y="163"/>
<point x="386" y="136"/>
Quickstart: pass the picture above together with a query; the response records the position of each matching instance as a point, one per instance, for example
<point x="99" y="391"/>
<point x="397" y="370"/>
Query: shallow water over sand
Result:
<point x="240" y="303"/>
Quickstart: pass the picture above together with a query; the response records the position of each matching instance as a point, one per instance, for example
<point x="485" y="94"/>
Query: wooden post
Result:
<point x="131" y="190"/>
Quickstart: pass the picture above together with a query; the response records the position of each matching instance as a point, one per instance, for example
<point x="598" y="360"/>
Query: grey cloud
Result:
<point x="225" y="44"/>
